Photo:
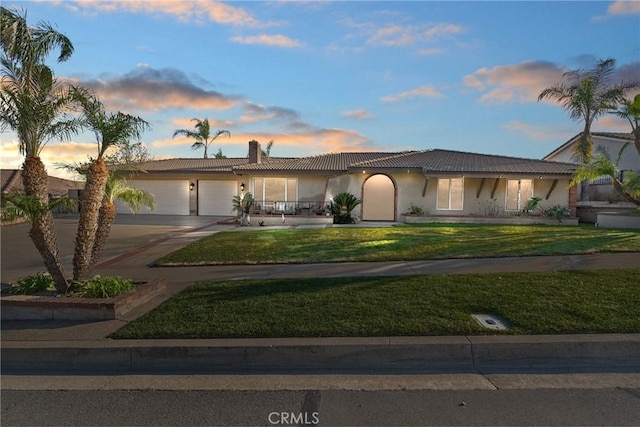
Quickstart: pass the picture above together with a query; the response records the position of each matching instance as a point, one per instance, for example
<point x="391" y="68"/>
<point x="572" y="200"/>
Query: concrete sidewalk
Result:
<point x="84" y="346"/>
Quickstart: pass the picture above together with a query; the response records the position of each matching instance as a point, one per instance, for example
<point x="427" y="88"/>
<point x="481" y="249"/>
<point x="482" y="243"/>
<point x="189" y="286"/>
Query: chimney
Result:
<point x="255" y="152"/>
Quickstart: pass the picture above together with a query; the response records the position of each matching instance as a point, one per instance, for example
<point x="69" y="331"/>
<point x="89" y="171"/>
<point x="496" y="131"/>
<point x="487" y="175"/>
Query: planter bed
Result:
<point x="37" y="307"/>
<point x="618" y="220"/>
<point x="270" y="220"/>
<point x="515" y="220"/>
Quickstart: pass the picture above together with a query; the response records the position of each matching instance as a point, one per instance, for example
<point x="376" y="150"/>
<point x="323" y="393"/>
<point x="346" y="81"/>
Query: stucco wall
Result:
<point x="409" y="190"/>
<point x="478" y="204"/>
<point x="630" y="159"/>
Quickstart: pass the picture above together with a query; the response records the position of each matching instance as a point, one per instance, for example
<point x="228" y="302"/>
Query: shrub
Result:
<point x="31" y="284"/>
<point x="415" y="209"/>
<point x="492" y="208"/>
<point x="104" y="287"/>
<point x="532" y="205"/>
<point x="341" y="207"/>
<point x="557" y="212"/>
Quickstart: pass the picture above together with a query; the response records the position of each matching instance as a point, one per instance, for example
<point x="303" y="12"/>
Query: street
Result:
<point x="203" y="400"/>
<point x="328" y="407"/>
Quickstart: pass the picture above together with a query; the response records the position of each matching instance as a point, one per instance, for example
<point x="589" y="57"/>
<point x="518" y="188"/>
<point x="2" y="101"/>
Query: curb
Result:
<point x="609" y="353"/>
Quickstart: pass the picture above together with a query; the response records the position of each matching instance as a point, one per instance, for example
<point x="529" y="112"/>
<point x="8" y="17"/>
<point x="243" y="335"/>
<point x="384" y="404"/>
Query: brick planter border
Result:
<point x="35" y="307"/>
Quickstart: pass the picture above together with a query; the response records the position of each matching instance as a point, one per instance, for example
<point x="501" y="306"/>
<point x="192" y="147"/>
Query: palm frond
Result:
<point x="587" y="95"/>
<point x="118" y="189"/>
<point x="77" y="168"/>
<point x="599" y="166"/>
<point x="201" y="135"/>
<point x="31" y="207"/>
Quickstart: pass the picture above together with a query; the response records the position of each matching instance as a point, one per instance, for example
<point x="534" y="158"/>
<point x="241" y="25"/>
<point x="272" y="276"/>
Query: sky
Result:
<point x="335" y="76"/>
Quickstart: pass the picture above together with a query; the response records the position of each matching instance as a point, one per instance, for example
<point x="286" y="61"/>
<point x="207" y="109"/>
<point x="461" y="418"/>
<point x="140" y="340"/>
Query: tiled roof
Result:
<point x="12" y="182"/>
<point x="617" y="135"/>
<point x="326" y="162"/>
<point x="614" y="135"/>
<point x="197" y="165"/>
<point x="446" y="161"/>
<point x="435" y="161"/>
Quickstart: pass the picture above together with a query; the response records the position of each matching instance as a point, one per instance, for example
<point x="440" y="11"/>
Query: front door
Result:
<point x="378" y="199"/>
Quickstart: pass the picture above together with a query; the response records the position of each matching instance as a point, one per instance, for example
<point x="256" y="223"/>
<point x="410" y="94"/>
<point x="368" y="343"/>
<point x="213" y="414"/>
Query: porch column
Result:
<point x="573" y="199"/>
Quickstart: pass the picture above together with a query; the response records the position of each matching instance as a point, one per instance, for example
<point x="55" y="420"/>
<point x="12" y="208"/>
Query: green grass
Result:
<point x="399" y="243"/>
<point x="603" y="301"/>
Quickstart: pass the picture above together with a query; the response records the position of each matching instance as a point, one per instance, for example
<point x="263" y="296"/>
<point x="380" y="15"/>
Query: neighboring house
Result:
<point x="610" y="143"/>
<point x="12" y="182"/>
<point x="442" y="182"/>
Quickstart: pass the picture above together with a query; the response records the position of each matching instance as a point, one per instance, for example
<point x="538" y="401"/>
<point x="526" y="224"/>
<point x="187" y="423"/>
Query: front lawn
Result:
<point x="601" y="301"/>
<point x="406" y="243"/>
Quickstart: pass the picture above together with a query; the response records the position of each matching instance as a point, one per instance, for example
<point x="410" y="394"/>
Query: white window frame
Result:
<point x="286" y="188"/>
<point x="449" y="208"/>
<point x="520" y="202"/>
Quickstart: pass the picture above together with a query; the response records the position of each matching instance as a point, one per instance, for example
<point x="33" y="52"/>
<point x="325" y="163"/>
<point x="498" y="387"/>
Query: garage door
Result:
<point x="216" y="197"/>
<point x="171" y="197"/>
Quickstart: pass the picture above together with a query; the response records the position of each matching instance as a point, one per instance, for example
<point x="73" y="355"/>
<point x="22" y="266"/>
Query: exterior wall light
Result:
<point x="242" y="186"/>
<point x="191" y="186"/>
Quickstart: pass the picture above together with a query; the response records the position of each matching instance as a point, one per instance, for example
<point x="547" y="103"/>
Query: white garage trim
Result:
<point x="216" y="197"/>
<point x="171" y="197"/>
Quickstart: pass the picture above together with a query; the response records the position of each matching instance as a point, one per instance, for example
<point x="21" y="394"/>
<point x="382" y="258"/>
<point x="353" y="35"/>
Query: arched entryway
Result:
<point x="378" y="199"/>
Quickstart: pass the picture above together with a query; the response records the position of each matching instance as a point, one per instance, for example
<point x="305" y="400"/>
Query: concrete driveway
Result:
<point x="20" y="257"/>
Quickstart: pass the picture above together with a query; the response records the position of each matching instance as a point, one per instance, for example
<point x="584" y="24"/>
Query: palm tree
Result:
<point x="32" y="104"/>
<point x="587" y="95"/>
<point x="116" y="189"/>
<point x="201" y="135"/>
<point x="630" y="110"/>
<point x="110" y="130"/>
<point x="267" y="151"/>
<point x="601" y="165"/>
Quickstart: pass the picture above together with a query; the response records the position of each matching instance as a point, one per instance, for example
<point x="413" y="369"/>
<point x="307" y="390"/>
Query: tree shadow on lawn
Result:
<point x="248" y="289"/>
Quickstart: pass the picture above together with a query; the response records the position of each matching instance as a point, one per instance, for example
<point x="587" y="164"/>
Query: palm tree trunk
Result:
<point x="105" y="220"/>
<point x="585" y="151"/>
<point x="97" y="175"/>
<point x="42" y="232"/>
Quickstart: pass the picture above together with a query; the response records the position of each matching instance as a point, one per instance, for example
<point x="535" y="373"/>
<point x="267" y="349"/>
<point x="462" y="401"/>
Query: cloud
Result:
<point x="255" y="112"/>
<point x="188" y="123"/>
<point x="198" y="11"/>
<point x="419" y="92"/>
<point x="624" y="7"/>
<point x="514" y="83"/>
<point x="151" y="89"/>
<point x="310" y="142"/>
<point x="628" y="72"/>
<point x="358" y="114"/>
<point x="51" y="155"/>
<point x="611" y="123"/>
<point x="556" y="133"/>
<point x="398" y="35"/>
<point x="10" y="157"/>
<point x="277" y="40"/>
<point x="431" y="51"/>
